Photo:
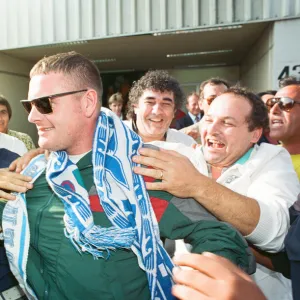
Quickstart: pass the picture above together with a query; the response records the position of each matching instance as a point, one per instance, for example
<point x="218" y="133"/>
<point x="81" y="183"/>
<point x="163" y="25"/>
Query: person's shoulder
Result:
<point x="174" y="135"/>
<point x="18" y="134"/>
<point x="7" y="138"/>
<point x="128" y="123"/>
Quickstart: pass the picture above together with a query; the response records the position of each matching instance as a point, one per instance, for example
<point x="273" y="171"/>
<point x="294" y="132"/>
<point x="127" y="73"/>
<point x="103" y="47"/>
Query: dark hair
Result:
<point x="212" y="81"/>
<point x="3" y="101"/>
<point x="290" y="80"/>
<point x="269" y="92"/>
<point x="156" y="80"/>
<point x="258" y="117"/>
<point x="82" y="72"/>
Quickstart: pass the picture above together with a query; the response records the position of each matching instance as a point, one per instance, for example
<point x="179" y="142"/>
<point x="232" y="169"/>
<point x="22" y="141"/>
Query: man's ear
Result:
<point x="257" y="133"/>
<point x="90" y="103"/>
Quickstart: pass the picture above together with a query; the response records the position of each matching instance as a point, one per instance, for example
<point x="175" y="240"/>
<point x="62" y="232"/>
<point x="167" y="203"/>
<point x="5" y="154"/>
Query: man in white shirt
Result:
<point x="12" y="144"/>
<point x="250" y="186"/>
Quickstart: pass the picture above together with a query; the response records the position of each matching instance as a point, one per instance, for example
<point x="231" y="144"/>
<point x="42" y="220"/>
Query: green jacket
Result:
<point x="57" y="271"/>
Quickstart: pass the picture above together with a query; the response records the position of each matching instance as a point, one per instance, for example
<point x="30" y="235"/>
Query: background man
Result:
<point x="267" y="95"/>
<point x="209" y="90"/>
<point x="194" y="114"/>
<point x="5" y="116"/>
<point x="250" y="187"/>
<point x="284" y="113"/>
<point x="64" y="102"/>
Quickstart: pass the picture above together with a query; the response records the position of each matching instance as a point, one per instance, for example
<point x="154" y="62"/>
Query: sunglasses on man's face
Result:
<point x="43" y="104"/>
<point x="284" y="103"/>
<point x="210" y="99"/>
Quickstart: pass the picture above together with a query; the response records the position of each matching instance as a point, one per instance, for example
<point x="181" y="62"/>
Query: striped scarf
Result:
<point x="123" y="197"/>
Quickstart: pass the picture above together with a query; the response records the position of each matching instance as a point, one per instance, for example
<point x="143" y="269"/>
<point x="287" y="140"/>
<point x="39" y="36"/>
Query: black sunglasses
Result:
<point x="284" y="103"/>
<point x="43" y="104"/>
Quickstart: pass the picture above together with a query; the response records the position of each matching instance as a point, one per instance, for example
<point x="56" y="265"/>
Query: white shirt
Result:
<point x="173" y="136"/>
<point x="12" y="144"/>
<point x="193" y="117"/>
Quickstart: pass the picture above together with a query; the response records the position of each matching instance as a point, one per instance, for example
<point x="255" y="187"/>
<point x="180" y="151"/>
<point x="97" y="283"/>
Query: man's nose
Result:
<point x="34" y="115"/>
<point x="275" y="110"/>
<point x="213" y="127"/>
<point x="157" y="108"/>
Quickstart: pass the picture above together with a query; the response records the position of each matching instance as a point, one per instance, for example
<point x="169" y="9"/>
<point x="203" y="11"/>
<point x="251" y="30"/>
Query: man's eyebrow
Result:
<point x="168" y="99"/>
<point x="164" y="98"/>
<point x="223" y="118"/>
<point x="3" y="110"/>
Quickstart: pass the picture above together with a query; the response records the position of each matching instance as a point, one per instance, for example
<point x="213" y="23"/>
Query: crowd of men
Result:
<point x="102" y="213"/>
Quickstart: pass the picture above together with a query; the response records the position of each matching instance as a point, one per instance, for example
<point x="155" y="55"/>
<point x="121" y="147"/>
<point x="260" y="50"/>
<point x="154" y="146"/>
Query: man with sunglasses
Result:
<point x="88" y="216"/>
<point x="247" y="185"/>
<point x="284" y="113"/>
<point x="209" y="90"/>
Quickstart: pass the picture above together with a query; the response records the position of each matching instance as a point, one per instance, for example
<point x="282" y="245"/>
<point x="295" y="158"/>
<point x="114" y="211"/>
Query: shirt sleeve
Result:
<point x="191" y="222"/>
<point x="275" y="188"/>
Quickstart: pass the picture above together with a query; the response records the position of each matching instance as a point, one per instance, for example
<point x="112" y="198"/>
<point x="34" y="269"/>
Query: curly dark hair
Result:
<point x="157" y="80"/>
<point x="258" y="117"/>
<point x="290" y="80"/>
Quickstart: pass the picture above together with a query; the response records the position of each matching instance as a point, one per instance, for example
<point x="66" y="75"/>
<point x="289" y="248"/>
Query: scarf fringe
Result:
<point x="98" y="240"/>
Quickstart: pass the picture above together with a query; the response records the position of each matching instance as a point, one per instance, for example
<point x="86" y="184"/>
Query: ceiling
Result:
<point x="141" y="52"/>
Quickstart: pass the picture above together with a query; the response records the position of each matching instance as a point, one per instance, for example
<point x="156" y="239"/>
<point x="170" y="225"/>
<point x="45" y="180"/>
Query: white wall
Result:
<point x="14" y="81"/>
<point x="190" y="79"/>
<point x="257" y="67"/>
<point x="286" y="58"/>
<point x="187" y="76"/>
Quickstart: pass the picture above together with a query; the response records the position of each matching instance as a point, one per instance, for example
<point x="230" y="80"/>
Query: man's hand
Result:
<point x="13" y="182"/>
<point x="212" y="277"/>
<point x="20" y="163"/>
<point x="194" y="133"/>
<point x="179" y="176"/>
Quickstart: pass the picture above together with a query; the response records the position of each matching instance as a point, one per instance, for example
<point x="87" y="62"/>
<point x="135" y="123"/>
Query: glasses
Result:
<point x="43" y="104"/>
<point x="210" y="99"/>
<point x="284" y="103"/>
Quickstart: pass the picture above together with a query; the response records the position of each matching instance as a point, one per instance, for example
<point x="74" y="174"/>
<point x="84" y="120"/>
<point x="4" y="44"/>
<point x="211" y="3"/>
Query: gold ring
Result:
<point x="161" y="175"/>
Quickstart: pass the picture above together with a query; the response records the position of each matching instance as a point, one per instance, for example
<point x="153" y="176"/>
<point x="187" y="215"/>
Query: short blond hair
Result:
<point x="82" y="72"/>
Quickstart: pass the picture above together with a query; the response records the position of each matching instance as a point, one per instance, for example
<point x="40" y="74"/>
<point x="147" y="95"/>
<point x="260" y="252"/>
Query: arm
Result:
<point x="13" y="182"/>
<point x="19" y="164"/>
<point x="262" y="215"/>
<point x="212" y="277"/>
<point x="190" y="221"/>
<point x="242" y="212"/>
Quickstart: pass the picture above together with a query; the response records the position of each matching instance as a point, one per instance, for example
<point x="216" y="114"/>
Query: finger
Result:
<point x="149" y="172"/>
<point x="13" y="165"/>
<point x="20" y="187"/>
<point x="7" y="196"/>
<point x="162" y="154"/>
<point x="12" y="176"/>
<point x="186" y="293"/>
<point x="228" y="265"/>
<point x="196" y="280"/>
<point x="150" y="162"/>
<point x="203" y="264"/>
<point x="155" y="186"/>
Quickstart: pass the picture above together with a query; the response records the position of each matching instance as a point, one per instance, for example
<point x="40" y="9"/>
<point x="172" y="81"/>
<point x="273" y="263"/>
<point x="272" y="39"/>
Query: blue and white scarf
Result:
<point x="123" y="197"/>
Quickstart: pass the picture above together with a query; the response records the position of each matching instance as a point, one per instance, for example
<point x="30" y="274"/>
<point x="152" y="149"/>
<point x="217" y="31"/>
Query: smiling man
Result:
<point x="209" y="90"/>
<point x="244" y="184"/>
<point x="88" y="225"/>
<point x="284" y="116"/>
<point x="153" y="101"/>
